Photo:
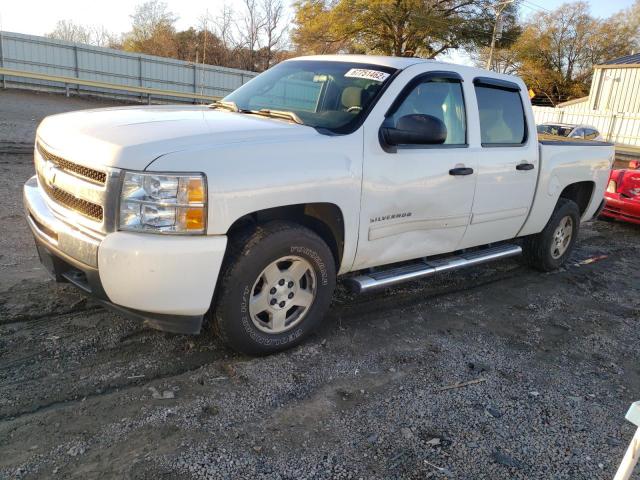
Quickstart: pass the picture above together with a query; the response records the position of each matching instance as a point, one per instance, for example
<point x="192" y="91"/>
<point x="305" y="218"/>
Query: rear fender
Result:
<point x="562" y="165"/>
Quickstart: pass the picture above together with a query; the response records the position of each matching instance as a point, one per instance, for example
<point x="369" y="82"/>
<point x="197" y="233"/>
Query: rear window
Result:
<point x="502" y="121"/>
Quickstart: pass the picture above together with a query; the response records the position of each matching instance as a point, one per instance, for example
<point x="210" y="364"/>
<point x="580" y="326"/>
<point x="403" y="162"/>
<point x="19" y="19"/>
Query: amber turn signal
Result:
<point x="195" y="190"/>
<point x="194" y="218"/>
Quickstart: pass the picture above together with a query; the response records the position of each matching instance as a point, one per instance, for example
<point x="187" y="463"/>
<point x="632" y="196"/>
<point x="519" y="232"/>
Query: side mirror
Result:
<point x="415" y="129"/>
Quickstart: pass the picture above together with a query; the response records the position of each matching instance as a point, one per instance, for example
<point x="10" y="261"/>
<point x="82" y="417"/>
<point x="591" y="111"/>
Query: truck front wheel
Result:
<point x="275" y="288"/>
<point x="550" y="249"/>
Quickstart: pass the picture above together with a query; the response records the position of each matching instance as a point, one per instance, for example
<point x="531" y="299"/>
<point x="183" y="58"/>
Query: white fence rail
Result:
<point x="615" y="127"/>
<point x="59" y="58"/>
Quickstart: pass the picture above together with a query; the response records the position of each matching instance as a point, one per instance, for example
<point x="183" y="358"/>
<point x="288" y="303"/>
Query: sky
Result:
<point x="38" y="17"/>
<point x="599" y="8"/>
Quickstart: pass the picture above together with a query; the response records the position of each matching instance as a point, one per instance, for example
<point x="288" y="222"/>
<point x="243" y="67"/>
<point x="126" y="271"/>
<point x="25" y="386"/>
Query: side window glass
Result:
<point x="443" y="100"/>
<point x="579" y="133"/>
<point x="502" y="120"/>
<point x="590" y="134"/>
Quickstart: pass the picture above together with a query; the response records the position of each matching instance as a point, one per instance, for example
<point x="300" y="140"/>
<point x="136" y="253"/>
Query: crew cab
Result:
<point x="243" y="213"/>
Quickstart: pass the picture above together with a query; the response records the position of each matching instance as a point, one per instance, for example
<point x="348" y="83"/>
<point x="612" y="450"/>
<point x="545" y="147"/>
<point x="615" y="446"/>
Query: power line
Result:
<point x="534" y="6"/>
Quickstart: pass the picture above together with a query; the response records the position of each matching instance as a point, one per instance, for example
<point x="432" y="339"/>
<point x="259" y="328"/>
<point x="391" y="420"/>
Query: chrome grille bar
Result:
<point x="76" y="194"/>
<point x="87" y="173"/>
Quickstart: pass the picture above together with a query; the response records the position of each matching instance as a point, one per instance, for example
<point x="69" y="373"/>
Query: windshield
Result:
<point x="560" y="130"/>
<point x="335" y="96"/>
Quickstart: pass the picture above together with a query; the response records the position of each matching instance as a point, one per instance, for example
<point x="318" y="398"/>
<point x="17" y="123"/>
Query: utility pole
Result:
<point x="499" y="9"/>
<point x="204" y="55"/>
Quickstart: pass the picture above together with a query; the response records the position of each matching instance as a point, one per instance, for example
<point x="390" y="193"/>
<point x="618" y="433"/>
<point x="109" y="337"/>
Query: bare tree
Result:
<point x="152" y="30"/>
<point x="249" y="30"/>
<point x="96" y="35"/>
<point x="101" y="37"/>
<point x="71" y="32"/>
<point x="150" y="17"/>
<point x="222" y="28"/>
<point x="223" y="25"/>
<point x="630" y="20"/>
<point x="273" y="28"/>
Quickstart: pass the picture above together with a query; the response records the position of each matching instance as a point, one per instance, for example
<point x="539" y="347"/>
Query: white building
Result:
<point x="613" y="104"/>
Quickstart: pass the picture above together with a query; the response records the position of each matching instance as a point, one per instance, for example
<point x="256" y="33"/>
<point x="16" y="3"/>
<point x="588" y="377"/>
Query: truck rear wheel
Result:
<point x="275" y="288"/>
<point x="550" y="249"/>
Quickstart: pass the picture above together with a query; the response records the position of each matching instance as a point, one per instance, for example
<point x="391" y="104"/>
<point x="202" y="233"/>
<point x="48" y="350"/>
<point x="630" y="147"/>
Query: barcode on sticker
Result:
<point x="368" y="74"/>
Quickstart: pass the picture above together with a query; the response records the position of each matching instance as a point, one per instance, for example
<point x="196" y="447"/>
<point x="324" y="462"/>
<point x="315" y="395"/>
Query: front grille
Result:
<point x="79" y="170"/>
<point x="67" y="200"/>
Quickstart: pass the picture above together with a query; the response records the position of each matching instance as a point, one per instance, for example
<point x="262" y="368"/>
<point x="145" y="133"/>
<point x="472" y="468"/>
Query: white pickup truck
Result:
<point x="244" y="212"/>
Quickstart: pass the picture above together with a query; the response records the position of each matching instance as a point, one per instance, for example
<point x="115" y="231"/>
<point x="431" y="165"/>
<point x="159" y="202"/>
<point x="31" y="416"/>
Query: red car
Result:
<point x="623" y="194"/>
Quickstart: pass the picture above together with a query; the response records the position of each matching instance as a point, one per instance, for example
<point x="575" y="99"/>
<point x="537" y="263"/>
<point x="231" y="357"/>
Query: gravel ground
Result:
<point x="490" y="373"/>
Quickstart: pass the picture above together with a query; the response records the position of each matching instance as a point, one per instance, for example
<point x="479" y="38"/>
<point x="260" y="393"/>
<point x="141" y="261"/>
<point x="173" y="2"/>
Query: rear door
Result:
<point x="507" y="162"/>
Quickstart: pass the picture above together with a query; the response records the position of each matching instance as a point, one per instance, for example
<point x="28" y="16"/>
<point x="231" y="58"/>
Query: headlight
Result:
<point x="162" y="203"/>
<point x="612" y="187"/>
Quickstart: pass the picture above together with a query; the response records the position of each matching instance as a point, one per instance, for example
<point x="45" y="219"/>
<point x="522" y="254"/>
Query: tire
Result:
<point x="542" y="251"/>
<point x="253" y="263"/>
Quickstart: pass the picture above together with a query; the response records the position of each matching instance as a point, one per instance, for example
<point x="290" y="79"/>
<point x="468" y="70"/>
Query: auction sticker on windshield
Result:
<point x="368" y="74"/>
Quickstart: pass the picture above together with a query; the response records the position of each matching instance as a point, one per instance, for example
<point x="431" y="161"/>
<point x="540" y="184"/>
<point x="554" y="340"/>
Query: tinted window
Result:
<point x="550" y="129"/>
<point x="442" y="100"/>
<point x="578" y="133"/>
<point x="325" y="94"/>
<point x="501" y="116"/>
<point x="590" y="134"/>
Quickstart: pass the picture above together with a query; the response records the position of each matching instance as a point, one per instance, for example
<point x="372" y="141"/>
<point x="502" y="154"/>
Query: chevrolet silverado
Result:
<point x="244" y="212"/>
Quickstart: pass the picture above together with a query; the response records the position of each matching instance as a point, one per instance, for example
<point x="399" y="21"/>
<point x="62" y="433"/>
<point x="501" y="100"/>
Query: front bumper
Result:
<point x="166" y="281"/>
<point x="621" y="208"/>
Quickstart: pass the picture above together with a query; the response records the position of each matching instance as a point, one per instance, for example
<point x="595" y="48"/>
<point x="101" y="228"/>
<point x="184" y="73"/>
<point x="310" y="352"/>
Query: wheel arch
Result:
<point x="325" y="219"/>
<point x="580" y="193"/>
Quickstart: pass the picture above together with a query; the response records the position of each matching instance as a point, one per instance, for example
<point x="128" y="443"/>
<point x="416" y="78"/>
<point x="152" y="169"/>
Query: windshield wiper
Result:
<point x="225" y="104"/>
<point x="265" y="112"/>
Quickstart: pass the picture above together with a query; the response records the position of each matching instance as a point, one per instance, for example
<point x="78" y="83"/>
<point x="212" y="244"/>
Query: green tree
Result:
<point x="557" y="50"/>
<point x="391" y="27"/>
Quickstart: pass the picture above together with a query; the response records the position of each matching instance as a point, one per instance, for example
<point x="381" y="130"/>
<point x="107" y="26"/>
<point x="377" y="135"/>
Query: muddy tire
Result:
<point x="550" y="249"/>
<point x="275" y="287"/>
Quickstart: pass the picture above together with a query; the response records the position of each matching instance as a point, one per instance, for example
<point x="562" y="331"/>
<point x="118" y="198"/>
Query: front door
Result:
<point x="417" y="199"/>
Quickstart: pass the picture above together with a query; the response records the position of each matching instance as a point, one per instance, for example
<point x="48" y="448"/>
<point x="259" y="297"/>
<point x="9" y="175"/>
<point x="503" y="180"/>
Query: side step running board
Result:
<point x="424" y="268"/>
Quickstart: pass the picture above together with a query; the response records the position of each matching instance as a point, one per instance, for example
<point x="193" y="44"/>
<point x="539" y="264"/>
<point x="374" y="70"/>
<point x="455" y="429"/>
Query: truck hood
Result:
<point x="132" y="137"/>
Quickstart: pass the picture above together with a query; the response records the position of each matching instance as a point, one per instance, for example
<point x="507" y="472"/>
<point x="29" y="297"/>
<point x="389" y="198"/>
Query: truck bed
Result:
<point x="565" y="161"/>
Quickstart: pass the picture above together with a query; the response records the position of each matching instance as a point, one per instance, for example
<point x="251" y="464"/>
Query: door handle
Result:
<point x="525" y="166"/>
<point x="461" y="171"/>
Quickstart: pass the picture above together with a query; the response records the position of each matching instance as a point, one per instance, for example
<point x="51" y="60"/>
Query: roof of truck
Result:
<point x="401" y="63"/>
<point x="393" y="62"/>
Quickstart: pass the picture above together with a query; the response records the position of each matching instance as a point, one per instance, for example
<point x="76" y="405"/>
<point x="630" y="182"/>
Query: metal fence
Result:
<point x="623" y="128"/>
<point x="42" y="55"/>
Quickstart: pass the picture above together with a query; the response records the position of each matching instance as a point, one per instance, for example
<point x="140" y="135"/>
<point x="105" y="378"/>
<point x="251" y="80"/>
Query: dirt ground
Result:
<point x="552" y="362"/>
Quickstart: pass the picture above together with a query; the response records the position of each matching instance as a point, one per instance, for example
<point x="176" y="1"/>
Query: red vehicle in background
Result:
<point x="623" y="194"/>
